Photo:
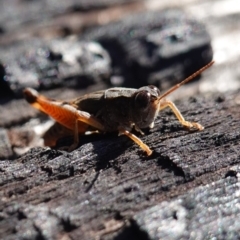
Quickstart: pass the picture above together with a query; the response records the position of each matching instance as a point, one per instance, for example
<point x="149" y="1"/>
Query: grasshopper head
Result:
<point x="145" y="106"/>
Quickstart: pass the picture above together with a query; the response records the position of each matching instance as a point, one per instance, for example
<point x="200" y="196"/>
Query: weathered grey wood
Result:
<point x="210" y="211"/>
<point x="100" y="190"/>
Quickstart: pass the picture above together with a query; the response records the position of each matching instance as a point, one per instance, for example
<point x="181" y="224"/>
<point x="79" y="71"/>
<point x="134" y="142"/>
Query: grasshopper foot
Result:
<point x="193" y="126"/>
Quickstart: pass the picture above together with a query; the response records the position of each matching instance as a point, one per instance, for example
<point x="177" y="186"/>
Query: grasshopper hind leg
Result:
<point x="75" y="143"/>
<point x="57" y="131"/>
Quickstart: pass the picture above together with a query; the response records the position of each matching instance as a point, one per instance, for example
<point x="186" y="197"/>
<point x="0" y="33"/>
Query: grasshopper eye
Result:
<point x="155" y="89"/>
<point x="142" y="99"/>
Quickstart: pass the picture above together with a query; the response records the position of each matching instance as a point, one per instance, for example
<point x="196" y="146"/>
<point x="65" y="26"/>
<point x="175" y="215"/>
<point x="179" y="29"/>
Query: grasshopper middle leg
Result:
<point x="137" y="140"/>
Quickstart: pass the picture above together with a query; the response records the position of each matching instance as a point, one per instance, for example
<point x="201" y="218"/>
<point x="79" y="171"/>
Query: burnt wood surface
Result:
<point x="155" y="48"/>
<point x="109" y="189"/>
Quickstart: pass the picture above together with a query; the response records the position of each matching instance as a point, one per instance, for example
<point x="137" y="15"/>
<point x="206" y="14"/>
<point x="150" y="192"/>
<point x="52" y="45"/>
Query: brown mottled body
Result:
<point x="114" y="109"/>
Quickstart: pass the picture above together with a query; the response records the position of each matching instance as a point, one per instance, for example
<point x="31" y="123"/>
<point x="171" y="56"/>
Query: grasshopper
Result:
<point x="115" y="109"/>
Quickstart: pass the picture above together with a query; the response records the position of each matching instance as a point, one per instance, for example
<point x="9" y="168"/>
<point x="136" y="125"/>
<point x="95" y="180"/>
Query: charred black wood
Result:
<point x="43" y="65"/>
<point x="154" y="47"/>
<point x="108" y="188"/>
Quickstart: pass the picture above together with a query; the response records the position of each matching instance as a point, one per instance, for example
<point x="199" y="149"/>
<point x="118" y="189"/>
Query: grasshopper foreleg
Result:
<point x="190" y="125"/>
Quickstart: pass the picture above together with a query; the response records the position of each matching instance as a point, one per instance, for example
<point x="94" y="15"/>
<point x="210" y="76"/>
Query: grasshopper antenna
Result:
<point x="186" y="80"/>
